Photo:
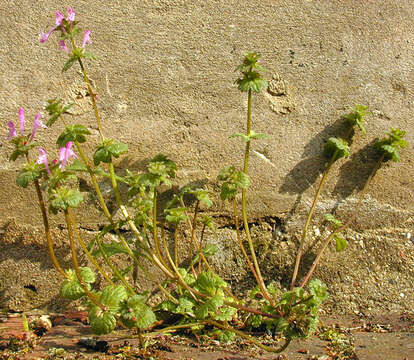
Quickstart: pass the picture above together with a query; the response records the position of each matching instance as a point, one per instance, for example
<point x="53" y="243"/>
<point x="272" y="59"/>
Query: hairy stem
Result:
<point x="244" y="205"/>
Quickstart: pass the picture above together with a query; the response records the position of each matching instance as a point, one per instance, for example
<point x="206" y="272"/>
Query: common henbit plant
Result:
<point x="197" y="297"/>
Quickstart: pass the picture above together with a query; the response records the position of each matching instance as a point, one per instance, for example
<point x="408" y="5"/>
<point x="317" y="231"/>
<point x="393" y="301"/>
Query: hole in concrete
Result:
<point x="31" y="287"/>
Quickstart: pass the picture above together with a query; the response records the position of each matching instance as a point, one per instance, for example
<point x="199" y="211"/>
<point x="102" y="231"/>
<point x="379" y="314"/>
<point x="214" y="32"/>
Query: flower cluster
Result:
<point x="36" y="124"/>
<point x="66" y="26"/>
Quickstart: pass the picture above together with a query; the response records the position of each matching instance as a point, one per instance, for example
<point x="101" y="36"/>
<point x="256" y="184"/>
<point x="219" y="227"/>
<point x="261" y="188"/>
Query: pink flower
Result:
<point x="37" y="123"/>
<point x="62" y="44"/>
<point x="71" y="15"/>
<point x="65" y="153"/>
<point x="42" y="159"/>
<point x="86" y="38"/>
<point x="59" y="21"/>
<point x="21" y="120"/>
<point x="12" y="131"/>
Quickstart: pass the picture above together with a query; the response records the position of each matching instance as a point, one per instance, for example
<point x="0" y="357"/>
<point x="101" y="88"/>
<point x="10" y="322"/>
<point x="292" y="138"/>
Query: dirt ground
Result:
<point x="388" y="337"/>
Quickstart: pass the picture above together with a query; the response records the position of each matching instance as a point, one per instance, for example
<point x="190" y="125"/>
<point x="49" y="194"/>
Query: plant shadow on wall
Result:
<point x="195" y="298"/>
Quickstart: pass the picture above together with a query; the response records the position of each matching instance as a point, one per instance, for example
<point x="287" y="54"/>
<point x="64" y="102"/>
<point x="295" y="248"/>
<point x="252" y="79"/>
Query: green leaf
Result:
<point x="31" y="171"/>
<point x="176" y="215"/>
<point x="228" y="191"/>
<point x="225" y="313"/>
<point x="102" y="322"/>
<point x="74" y="132"/>
<point x="357" y="117"/>
<point x="185" y="305"/>
<point x="389" y="146"/>
<point x="89" y="55"/>
<point x="55" y="108"/>
<point x="136" y="313"/>
<point x="76" y="165"/>
<point x="318" y="289"/>
<point x="253" y="135"/>
<point x="71" y="288"/>
<point x="101" y="155"/>
<point x="209" y="283"/>
<point x="22" y="147"/>
<point x="335" y="222"/>
<point x="252" y="81"/>
<point x="112" y="297"/>
<point x="242" y="180"/>
<point x="69" y="63"/>
<point x="64" y="197"/>
<point x="87" y="275"/>
<point x="111" y="249"/>
<point x="250" y="62"/>
<point x="341" y="243"/>
<point x="208" y="222"/>
<point x="108" y="148"/>
<point x="188" y="277"/>
<point x="337" y="148"/>
<point x="244" y="137"/>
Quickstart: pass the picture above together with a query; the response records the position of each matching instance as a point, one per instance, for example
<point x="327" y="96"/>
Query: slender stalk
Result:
<point x="239" y="240"/>
<point x="176" y="245"/>
<point x="311" y="211"/>
<point x="308" y="220"/>
<point x="244" y="205"/>
<point x="86" y="251"/>
<point x="91" y="94"/>
<point x="90" y="295"/>
<point x="249" y="338"/>
<point x="343" y="227"/>
<point x="47" y="229"/>
<point x="170" y="328"/>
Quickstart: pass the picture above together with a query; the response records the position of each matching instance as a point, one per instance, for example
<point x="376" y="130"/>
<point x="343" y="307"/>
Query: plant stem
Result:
<point x="244" y="205"/>
<point x="91" y="296"/>
<point x="311" y="211"/>
<point x="343" y="227"/>
<point x="47" y="229"/>
<point x="242" y="248"/>
<point x="308" y="220"/>
<point x="86" y="251"/>
<point x="249" y="338"/>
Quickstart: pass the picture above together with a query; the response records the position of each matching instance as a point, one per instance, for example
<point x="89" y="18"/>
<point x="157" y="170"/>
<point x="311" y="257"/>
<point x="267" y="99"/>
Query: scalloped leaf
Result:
<point x="112" y="297"/>
<point x="74" y="132"/>
<point x="102" y="322"/>
<point x="334" y="221"/>
<point x="337" y="148"/>
<point x="136" y="313"/>
<point x="31" y="171"/>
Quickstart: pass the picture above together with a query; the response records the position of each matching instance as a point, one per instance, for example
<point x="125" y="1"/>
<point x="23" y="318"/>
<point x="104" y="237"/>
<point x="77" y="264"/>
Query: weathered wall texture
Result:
<point x="165" y="79"/>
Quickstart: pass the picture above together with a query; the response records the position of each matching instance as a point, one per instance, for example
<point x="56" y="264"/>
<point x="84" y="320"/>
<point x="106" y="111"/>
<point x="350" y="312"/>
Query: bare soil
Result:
<point x="387" y="336"/>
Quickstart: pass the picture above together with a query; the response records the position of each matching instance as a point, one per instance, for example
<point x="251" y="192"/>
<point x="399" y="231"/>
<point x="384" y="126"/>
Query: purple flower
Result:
<point x="86" y="37"/>
<point x="65" y="153"/>
<point x="21" y="120"/>
<point x="71" y="15"/>
<point x="12" y="131"/>
<point x="42" y="159"/>
<point x="59" y="21"/>
<point x="37" y="123"/>
<point x="62" y="44"/>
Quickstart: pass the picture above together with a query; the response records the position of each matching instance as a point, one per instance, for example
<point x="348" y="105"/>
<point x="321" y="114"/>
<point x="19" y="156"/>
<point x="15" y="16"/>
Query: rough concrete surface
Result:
<point x="165" y="83"/>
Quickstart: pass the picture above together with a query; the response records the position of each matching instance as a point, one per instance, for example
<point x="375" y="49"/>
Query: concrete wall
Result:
<point x="165" y="81"/>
